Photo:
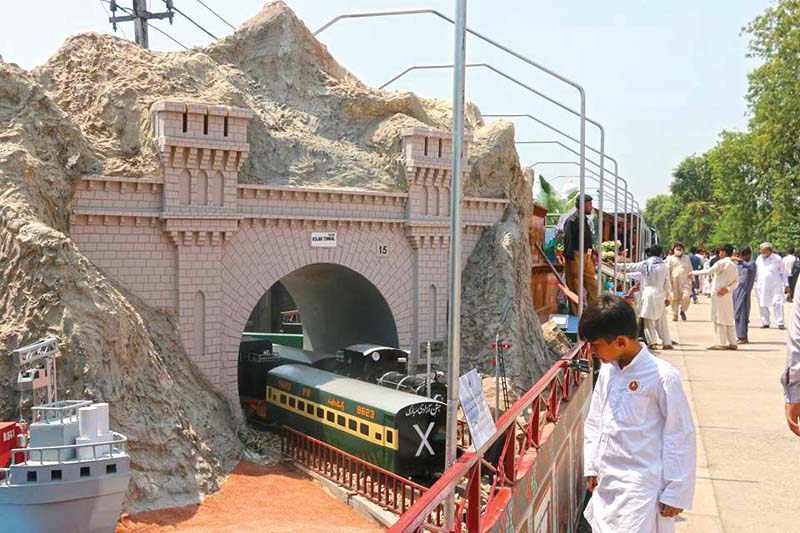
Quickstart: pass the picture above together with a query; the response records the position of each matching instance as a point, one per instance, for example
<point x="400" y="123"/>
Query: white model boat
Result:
<point x="72" y="477"/>
<point x="69" y="472"/>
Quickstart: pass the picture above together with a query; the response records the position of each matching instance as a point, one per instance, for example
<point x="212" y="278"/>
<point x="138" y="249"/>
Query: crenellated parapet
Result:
<point x="202" y="148"/>
<point x="428" y="166"/>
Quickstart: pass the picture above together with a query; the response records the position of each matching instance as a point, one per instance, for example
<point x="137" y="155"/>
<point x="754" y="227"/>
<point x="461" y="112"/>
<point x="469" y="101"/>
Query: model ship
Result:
<point x="66" y="471"/>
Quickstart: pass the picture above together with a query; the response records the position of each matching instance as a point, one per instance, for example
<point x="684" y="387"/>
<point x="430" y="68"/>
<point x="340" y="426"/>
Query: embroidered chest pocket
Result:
<point x="631" y="408"/>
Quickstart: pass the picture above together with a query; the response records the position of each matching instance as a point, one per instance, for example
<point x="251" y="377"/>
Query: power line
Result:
<point x="133" y="15"/>
<point x="109" y="16"/>
<point x="168" y="36"/>
<point x="139" y="15"/>
<point x="190" y="19"/>
<point x="216" y="14"/>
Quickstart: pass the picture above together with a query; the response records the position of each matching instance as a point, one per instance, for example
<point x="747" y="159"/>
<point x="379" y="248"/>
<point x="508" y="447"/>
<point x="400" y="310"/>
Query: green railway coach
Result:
<point x="401" y="432"/>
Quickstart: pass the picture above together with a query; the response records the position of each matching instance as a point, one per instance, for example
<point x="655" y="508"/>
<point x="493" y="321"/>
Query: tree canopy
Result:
<point x="746" y="189"/>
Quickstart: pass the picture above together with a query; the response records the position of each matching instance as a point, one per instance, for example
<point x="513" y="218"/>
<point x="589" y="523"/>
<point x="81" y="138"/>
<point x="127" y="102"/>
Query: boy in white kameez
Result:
<point x="639" y="437"/>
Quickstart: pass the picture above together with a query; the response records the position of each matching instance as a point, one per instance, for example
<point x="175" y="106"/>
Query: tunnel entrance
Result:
<point x="305" y="318"/>
<point x="336" y="307"/>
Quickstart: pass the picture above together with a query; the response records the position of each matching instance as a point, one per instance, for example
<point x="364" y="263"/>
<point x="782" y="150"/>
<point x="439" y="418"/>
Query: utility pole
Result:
<point x="139" y="15"/>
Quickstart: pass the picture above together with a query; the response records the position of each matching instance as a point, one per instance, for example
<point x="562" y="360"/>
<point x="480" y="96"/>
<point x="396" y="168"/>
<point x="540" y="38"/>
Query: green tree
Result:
<point x="661" y="212"/>
<point x="774" y="99"/>
<point x="692" y="181"/>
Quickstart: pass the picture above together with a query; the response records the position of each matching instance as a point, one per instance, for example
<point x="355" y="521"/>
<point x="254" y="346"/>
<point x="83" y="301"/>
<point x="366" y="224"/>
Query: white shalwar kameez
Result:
<point x="639" y="440"/>
<point x="726" y="276"/>
<point x="771" y="279"/>
<point x="655" y="292"/>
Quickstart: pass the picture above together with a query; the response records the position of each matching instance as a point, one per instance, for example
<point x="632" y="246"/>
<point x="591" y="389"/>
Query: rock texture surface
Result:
<point x="114" y="348"/>
<point x="87" y="111"/>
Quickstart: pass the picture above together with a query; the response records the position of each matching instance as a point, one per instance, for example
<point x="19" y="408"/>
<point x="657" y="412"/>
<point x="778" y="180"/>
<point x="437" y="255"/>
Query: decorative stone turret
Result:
<point x="202" y="148"/>
<point x="428" y="166"/>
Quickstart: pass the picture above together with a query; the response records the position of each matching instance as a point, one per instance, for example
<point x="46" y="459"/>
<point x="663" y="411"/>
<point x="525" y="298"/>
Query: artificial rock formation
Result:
<point x="88" y="111"/>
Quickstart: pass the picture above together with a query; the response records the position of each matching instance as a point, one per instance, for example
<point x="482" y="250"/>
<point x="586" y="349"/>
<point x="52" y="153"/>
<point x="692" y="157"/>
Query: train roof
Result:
<point x="367" y="349"/>
<point x="376" y="396"/>
<point x="299" y="355"/>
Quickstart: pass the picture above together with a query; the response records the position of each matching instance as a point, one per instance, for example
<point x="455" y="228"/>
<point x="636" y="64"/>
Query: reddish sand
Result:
<point x="257" y="498"/>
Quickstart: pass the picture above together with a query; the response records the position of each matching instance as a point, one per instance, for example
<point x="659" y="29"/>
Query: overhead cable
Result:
<point x="216" y="14"/>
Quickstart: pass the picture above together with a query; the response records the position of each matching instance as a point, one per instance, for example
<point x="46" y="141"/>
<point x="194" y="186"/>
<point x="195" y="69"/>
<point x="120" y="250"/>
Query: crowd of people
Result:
<point x="727" y="275"/>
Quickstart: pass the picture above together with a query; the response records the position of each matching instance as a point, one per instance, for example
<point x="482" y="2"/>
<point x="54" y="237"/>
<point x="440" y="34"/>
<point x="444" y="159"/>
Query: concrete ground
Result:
<point x="748" y="473"/>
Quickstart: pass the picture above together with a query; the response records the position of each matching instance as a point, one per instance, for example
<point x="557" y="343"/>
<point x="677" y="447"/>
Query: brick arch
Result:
<point x="257" y="257"/>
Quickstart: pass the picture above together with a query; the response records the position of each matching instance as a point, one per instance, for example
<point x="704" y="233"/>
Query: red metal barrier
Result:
<point x="388" y="490"/>
<point x="538" y="407"/>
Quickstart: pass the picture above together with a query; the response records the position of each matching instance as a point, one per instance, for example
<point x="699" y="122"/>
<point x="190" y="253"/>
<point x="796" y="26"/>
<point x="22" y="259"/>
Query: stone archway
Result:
<point x="339" y="307"/>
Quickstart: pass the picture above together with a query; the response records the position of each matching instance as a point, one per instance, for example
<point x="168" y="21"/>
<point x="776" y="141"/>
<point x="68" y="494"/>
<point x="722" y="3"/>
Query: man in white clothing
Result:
<point x="681" y="276"/>
<point x="654" y="296"/>
<point x="639" y="440"/>
<point x="726" y="279"/>
<point x="771" y="284"/>
<point x="789" y="261"/>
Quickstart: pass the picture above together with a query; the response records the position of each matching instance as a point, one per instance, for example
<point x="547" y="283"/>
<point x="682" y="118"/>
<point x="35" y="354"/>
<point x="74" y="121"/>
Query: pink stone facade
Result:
<point x="199" y="244"/>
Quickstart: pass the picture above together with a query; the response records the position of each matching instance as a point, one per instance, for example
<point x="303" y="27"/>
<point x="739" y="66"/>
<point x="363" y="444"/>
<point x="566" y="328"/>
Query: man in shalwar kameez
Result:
<point x="726" y="279"/>
<point x="741" y="295"/>
<point x="655" y="291"/>
<point x="771" y="284"/>
<point x="639" y="438"/>
<point x="681" y="277"/>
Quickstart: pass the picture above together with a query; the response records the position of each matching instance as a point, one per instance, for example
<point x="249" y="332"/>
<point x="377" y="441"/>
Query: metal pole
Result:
<point x="428" y="369"/>
<point x="496" y="377"/>
<point x="625" y="239"/>
<point x="454" y="320"/>
<point x="616" y="228"/>
<point x="601" y="215"/>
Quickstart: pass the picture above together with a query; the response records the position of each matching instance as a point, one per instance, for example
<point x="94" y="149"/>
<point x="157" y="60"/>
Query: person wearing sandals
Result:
<point x="726" y="279"/>
<point x="654" y="296"/>
<point x="742" y="295"/>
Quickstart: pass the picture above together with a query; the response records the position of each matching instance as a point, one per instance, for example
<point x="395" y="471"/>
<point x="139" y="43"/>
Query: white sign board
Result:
<point x="323" y="239"/>
<point x="476" y="408"/>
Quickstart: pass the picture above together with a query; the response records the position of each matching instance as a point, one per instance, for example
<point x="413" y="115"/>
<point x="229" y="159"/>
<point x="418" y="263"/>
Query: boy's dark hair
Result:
<point x="790" y="249"/>
<point x="693" y="249"/>
<point x="607" y="318"/>
<point x="727" y="248"/>
<point x="678" y="244"/>
<point x="746" y="251"/>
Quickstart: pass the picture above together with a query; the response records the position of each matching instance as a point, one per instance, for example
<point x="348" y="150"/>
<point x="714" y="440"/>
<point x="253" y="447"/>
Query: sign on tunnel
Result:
<point x="323" y="239"/>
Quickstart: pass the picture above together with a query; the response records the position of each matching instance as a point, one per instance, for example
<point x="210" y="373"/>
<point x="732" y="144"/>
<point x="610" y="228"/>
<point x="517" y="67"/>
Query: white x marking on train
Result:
<point x="424" y="438"/>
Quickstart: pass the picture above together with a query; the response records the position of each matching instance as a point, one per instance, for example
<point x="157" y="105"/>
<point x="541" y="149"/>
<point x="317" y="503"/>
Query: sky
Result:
<point x="663" y="78"/>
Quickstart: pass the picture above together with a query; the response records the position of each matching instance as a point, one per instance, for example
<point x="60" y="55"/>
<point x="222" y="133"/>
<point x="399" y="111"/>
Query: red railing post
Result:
<point x="474" y="499"/>
<point x="511" y="452"/>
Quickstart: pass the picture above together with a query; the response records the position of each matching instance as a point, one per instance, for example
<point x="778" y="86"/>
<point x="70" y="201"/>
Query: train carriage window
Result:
<point x="283" y="398"/>
<point x="340" y="420"/>
<point x="310" y="409"/>
<point x="389" y="436"/>
<point x="291" y="402"/>
<point x="378" y="435"/>
<point x="330" y="416"/>
<point x="364" y="429"/>
<point x="301" y="405"/>
<point x="320" y="412"/>
<point x="352" y="425"/>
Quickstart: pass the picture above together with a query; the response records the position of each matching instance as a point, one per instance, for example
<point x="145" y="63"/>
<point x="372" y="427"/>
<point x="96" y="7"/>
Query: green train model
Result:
<point x="400" y="432"/>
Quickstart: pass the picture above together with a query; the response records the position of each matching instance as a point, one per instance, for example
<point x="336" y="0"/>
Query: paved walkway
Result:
<point x="748" y="473"/>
